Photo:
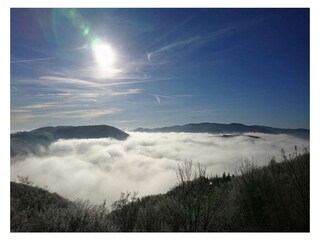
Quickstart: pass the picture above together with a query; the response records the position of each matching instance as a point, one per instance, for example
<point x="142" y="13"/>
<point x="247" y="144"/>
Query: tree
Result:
<point x="191" y="205"/>
<point x="125" y="211"/>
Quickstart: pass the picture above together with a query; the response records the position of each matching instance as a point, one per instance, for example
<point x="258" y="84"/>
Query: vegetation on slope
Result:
<point x="269" y="198"/>
<point x="34" y="209"/>
<point x="35" y="141"/>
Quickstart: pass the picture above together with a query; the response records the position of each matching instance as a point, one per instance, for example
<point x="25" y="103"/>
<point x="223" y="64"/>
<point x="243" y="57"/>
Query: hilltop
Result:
<point x="23" y="143"/>
<point x="232" y="128"/>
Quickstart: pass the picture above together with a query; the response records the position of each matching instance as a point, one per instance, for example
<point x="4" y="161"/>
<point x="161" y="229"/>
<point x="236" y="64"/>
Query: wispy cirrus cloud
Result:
<point x="32" y="60"/>
<point x="195" y="41"/>
<point x="159" y="97"/>
<point x="172" y="46"/>
<point x="19" y="111"/>
<point x="39" y="106"/>
<point x="82" y="82"/>
<point x="66" y="114"/>
<point x="72" y="81"/>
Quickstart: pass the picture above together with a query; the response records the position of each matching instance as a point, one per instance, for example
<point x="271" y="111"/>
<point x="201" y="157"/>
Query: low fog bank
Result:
<point x="98" y="169"/>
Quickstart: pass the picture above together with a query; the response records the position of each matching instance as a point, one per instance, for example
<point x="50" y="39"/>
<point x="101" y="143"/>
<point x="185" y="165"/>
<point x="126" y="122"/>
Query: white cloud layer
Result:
<point x="146" y="162"/>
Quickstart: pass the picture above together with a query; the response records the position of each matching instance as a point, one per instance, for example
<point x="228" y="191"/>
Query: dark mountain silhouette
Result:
<point x="78" y="132"/>
<point x="33" y="141"/>
<point x="232" y="128"/>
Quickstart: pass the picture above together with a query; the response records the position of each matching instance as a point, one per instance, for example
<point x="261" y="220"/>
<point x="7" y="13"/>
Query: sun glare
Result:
<point x="103" y="54"/>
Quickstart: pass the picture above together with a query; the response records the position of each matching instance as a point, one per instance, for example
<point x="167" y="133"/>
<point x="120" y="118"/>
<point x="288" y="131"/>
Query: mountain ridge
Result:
<point x="33" y="141"/>
<point x="26" y="142"/>
<point x="232" y="128"/>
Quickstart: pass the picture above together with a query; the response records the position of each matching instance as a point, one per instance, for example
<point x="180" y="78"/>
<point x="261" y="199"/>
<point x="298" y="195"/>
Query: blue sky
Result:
<point x="159" y="67"/>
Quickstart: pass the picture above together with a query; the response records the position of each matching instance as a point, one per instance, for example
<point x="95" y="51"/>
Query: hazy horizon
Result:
<point x="129" y="129"/>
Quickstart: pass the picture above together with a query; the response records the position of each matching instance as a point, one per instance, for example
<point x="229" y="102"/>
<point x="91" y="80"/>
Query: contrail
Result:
<point x="33" y="60"/>
<point x="196" y="39"/>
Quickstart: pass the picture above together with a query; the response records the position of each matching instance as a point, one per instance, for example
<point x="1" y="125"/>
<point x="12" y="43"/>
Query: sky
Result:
<point x="159" y="67"/>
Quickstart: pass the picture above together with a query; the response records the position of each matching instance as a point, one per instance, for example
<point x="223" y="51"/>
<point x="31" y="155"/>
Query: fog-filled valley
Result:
<point x="98" y="169"/>
<point x="159" y="119"/>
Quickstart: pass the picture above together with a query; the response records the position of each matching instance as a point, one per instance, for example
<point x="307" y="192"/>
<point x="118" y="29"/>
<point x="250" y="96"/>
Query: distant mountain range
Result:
<point x="23" y="143"/>
<point x="232" y="128"/>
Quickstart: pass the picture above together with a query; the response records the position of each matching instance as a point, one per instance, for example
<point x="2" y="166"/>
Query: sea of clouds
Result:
<point x="98" y="169"/>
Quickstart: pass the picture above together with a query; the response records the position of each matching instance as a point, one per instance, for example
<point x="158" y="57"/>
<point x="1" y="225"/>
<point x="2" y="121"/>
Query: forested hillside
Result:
<point x="36" y="141"/>
<point x="270" y="198"/>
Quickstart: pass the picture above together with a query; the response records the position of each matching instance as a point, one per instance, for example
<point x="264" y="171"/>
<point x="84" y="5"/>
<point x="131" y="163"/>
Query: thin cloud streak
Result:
<point x="40" y="106"/>
<point x="32" y="60"/>
<point x="87" y="114"/>
<point x="196" y="39"/>
<point x="67" y="80"/>
<point x="158" y="97"/>
<point x="19" y="110"/>
<point x="171" y="46"/>
<point x="43" y="80"/>
<point x="137" y="82"/>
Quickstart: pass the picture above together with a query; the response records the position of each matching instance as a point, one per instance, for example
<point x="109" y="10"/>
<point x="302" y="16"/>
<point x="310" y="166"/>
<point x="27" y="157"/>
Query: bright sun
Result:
<point x="104" y="54"/>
